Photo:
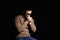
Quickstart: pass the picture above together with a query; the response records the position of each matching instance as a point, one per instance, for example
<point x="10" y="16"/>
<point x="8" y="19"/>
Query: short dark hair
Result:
<point x="27" y="9"/>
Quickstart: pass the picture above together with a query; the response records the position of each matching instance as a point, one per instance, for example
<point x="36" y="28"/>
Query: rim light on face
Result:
<point x="29" y="12"/>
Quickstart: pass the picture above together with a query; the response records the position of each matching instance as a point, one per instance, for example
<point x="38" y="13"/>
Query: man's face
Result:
<point x="28" y="13"/>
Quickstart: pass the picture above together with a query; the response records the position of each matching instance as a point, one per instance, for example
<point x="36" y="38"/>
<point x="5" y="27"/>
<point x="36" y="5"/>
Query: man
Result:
<point x="21" y="23"/>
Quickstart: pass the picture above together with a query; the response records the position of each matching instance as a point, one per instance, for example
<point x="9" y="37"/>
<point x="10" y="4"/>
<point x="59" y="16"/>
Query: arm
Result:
<point x="33" y="27"/>
<point x="20" y="27"/>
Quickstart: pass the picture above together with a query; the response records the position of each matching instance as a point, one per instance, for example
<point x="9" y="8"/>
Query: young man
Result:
<point x="21" y="23"/>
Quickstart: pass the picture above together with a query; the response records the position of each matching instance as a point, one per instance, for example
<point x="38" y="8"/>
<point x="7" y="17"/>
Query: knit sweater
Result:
<point x="22" y="26"/>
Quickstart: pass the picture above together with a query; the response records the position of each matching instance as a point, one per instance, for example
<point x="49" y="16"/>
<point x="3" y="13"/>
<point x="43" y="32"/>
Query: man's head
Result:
<point x="28" y="12"/>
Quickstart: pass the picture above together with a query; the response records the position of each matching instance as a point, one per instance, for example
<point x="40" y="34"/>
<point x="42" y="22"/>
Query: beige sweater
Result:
<point x="22" y="27"/>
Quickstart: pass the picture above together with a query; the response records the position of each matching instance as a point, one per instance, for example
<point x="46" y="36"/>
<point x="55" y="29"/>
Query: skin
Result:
<point x="28" y="13"/>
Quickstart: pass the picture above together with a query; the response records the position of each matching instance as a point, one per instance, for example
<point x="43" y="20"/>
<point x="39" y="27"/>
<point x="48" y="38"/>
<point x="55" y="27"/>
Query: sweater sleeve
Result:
<point x="20" y="27"/>
<point x="33" y="26"/>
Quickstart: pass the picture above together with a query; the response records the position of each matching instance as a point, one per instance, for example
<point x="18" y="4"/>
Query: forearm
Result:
<point x="33" y="27"/>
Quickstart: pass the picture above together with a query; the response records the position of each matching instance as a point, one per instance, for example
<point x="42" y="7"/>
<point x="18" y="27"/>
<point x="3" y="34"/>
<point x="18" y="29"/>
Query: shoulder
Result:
<point x="19" y="16"/>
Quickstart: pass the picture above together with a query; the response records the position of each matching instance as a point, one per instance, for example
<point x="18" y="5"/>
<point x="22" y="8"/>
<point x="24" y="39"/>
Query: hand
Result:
<point x="29" y="18"/>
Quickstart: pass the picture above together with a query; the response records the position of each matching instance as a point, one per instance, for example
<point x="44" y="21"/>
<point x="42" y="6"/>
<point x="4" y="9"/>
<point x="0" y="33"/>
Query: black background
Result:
<point x="57" y="2"/>
<point x="14" y="8"/>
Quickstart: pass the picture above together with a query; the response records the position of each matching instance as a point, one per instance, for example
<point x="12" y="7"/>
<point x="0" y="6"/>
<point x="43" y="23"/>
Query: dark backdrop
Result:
<point x="14" y="8"/>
